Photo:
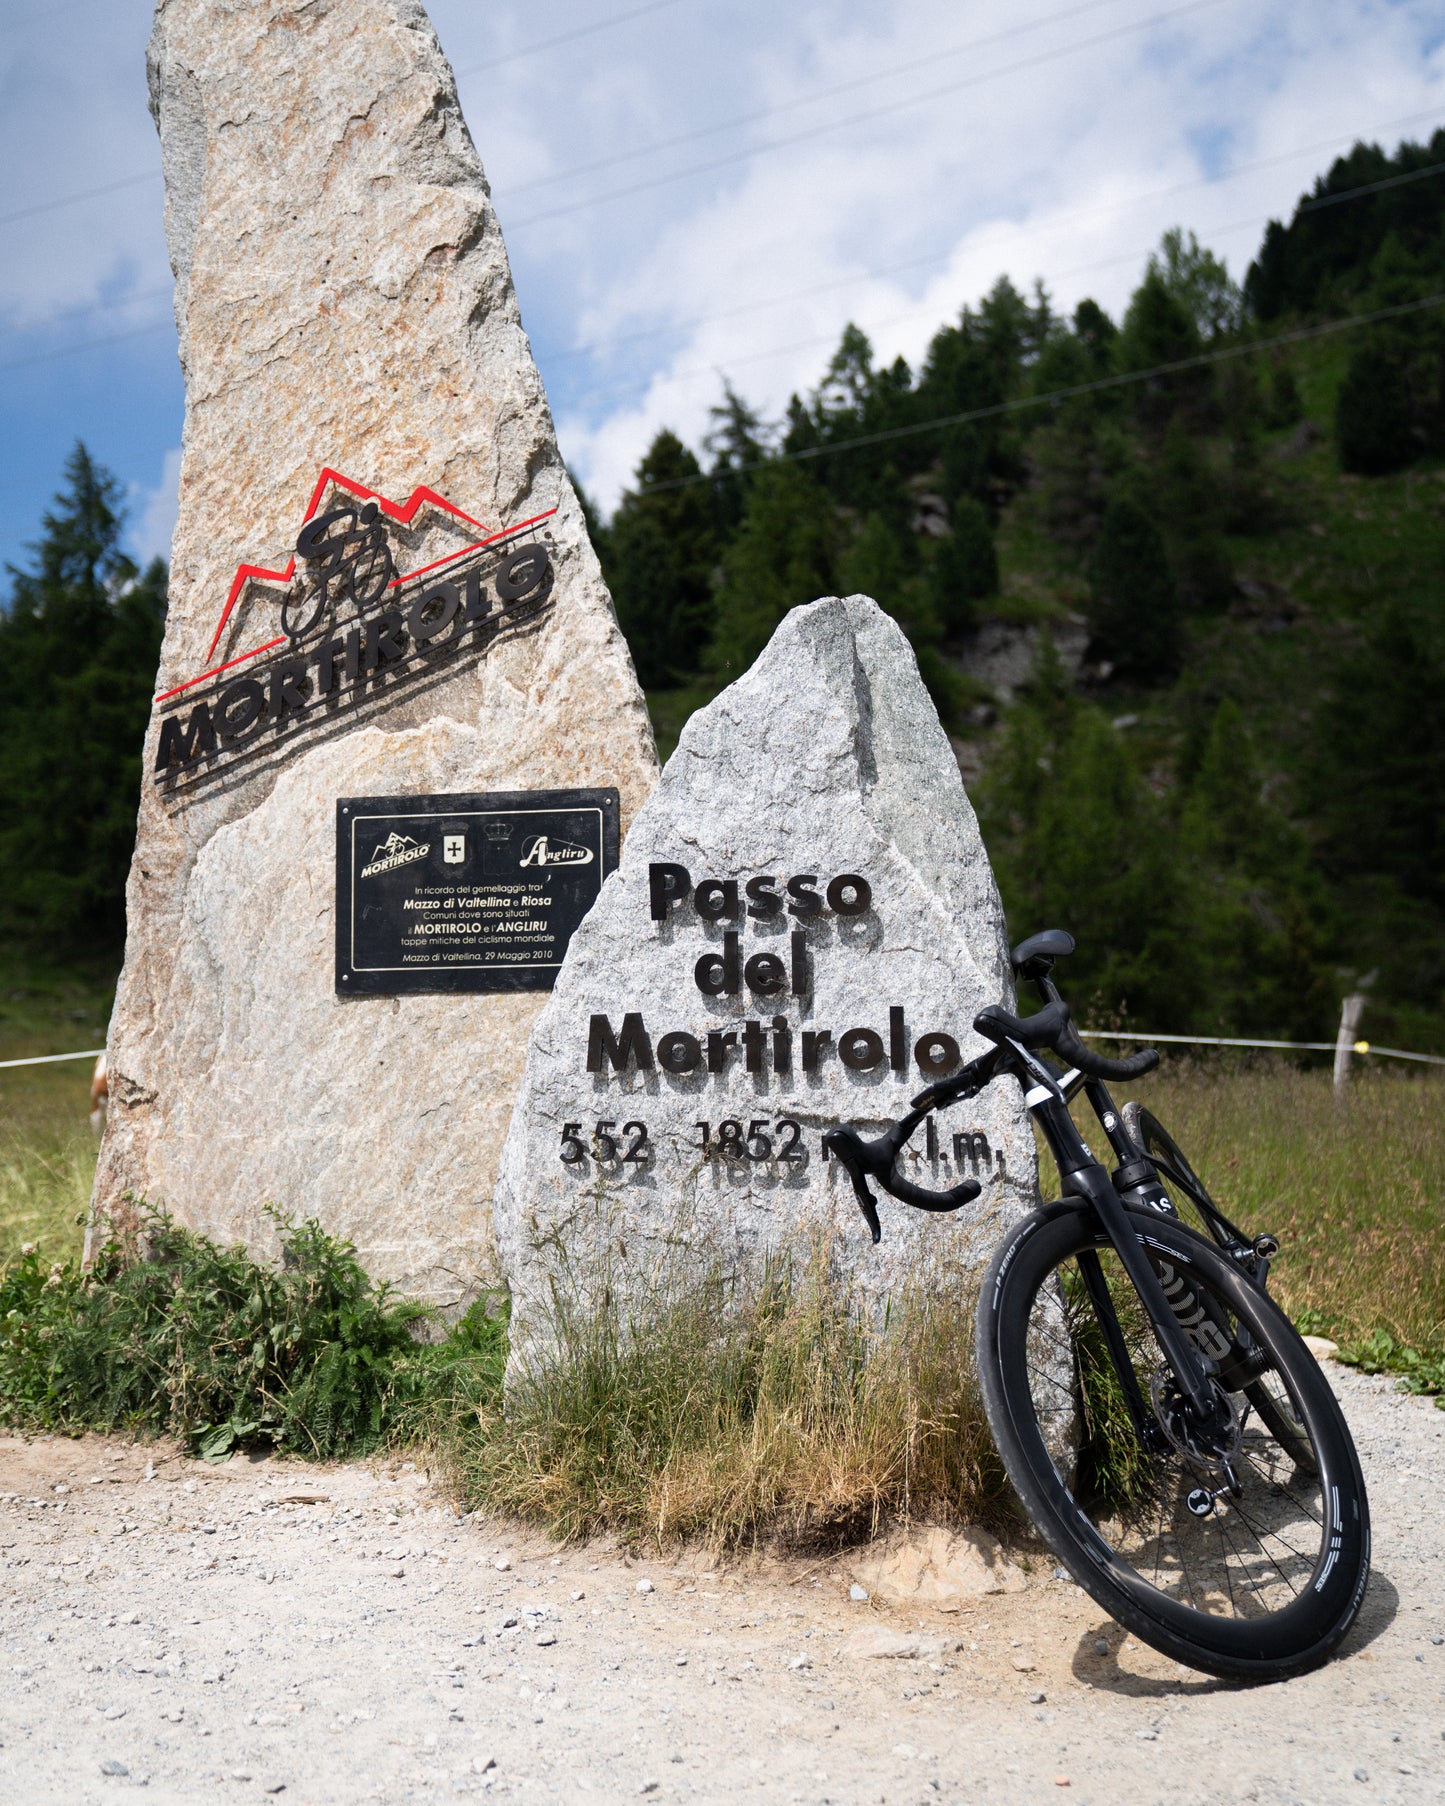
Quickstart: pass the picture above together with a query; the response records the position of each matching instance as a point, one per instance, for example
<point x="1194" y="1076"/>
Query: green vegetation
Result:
<point x="79" y="645"/>
<point x="1352" y="1192"/>
<point x="167" y="1333"/>
<point x="1237" y="801"/>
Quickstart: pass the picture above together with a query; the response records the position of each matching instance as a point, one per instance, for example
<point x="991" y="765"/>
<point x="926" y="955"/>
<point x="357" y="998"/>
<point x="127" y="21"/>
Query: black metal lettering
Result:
<point x="327" y="654"/>
<point x="782" y="1045"/>
<point x="766" y="974"/>
<point x="290" y="679"/>
<point x="763" y="900"/>
<point x="524" y="576"/>
<point x="666" y="884"/>
<point x="238" y="709"/>
<point x="719" y="1040"/>
<point x="382" y="643"/>
<point x="476" y="606"/>
<point x="860" y="1049"/>
<point x="755" y="1040"/>
<point x="185" y="741"/>
<point x="814" y="1041"/>
<point x="632" y="1044"/>
<point x="715" y="898"/>
<point x="936" y="1053"/>
<point x="897" y="1040"/>
<point x="841" y="903"/>
<point x="679" y="1053"/>
<point x="798" y="945"/>
<point x="717" y="973"/>
<point x="432" y="613"/>
<point x="805" y="899"/>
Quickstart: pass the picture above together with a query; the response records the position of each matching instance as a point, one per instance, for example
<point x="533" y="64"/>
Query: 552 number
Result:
<point x="732" y="1143"/>
<point x="605" y="1144"/>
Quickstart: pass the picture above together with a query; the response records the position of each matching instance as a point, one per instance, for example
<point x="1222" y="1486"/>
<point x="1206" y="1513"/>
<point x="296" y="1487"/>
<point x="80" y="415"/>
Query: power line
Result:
<point x="1155" y="194"/>
<point x="116" y="338"/>
<point x="1348" y="194"/>
<point x="1214" y="231"/>
<point x="933" y="257"/>
<point x="568" y="37"/>
<point x="752" y="307"/>
<point x="152" y="175"/>
<point x="1198" y="361"/>
<point x="807" y="100"/>
<point x="879" y="112"/>
<point x="84" y="194"/>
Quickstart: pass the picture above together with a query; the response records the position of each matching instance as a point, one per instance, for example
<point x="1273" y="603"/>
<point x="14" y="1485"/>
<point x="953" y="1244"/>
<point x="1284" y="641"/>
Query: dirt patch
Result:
<point x="273" y="1630"/>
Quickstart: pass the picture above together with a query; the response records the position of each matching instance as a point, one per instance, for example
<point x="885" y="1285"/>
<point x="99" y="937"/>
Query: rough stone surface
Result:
<point x="344" y="301"/>
<point x="826" y="758"/>
<point x="940" y="1568"/>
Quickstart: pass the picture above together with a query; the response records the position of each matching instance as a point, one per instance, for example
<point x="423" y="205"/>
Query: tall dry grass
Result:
<point x="782" y="1416"/>
<point x="1355" y="1192"/>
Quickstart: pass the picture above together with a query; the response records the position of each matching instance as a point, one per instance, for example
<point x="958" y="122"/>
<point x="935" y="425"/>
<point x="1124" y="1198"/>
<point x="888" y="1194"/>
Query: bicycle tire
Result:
<point x="1183" y="1184"/>
<point x="1207" y="1601"/>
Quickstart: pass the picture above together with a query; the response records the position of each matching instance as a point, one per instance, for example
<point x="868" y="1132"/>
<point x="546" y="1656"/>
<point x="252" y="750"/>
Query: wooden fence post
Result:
<point x="1350" y="1012"/>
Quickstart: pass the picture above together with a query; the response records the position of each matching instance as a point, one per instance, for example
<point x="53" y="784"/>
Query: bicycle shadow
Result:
<point x="1103" y="1669"/>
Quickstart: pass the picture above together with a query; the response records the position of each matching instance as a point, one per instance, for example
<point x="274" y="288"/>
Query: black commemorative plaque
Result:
<point x="466" y="893"/>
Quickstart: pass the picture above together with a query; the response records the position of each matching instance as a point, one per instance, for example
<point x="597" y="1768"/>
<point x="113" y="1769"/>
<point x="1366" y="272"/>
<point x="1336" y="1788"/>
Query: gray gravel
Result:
<point x="275" y="1631"/>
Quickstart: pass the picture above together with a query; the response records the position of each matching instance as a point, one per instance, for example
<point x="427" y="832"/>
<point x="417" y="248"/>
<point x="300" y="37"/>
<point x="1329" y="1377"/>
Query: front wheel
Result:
<point x="1255" y="1580"/>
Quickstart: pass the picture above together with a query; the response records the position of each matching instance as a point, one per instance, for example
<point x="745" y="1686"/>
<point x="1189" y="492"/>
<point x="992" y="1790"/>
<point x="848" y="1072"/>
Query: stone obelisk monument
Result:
<point x="381" y="587"/>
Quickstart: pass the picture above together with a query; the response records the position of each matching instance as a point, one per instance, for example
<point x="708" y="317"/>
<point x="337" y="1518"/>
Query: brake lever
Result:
<point x="876" y="1160"/>
<point x="837" y="1143"/>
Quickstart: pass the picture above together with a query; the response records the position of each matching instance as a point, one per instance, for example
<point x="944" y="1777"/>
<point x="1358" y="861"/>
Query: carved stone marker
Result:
<point x="381" y="587"/>
<point x="802" y="928"/>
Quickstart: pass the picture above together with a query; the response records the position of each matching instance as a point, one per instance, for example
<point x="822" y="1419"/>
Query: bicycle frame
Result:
<point x="1081" y="1175"/>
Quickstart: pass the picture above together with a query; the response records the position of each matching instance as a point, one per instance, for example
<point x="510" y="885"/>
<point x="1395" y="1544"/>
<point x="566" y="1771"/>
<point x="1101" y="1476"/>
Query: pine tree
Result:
<point x="781" y="555"/>
<point x="964" y="568"/>
<point x="661" y="549"/>
<point x="79" y="644"/>
<point x="1135" y="612"/>
<point x="1078" y="841"/>
<point x="1372" y="415"/>
<point x="1251" y="901"/>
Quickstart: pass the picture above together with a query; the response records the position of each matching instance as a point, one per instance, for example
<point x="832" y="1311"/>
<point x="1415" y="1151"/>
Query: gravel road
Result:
<point x="275" y="1631"/>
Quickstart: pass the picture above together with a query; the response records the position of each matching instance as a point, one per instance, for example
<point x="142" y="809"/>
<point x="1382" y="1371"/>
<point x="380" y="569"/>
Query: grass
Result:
<point x="787" y="1417"/>
<point x="783" y="1417"/>
<point x="47" y="1153"/>
<point x="1353" y="1192"/>
<point x="167" y="1333"/>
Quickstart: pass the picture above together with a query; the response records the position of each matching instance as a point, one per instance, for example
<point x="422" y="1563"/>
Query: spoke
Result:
<point x="1301" y="1504"/>
<point x="1244" y="1565"/>
<point x="1274" y="1563"/>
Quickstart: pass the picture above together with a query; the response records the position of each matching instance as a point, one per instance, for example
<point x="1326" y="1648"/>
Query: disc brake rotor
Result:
<point x="1206" y="1447"/>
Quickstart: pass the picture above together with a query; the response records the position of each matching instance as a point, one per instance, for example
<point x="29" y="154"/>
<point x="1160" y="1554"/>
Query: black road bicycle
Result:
<point x="1171" y="1437"/>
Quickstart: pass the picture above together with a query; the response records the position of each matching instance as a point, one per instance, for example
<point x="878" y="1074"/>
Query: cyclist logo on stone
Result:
<point x="345" y="558"/>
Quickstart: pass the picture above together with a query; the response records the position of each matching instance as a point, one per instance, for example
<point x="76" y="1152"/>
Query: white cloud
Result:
<point x="154" y="513"/>
<point x="1070" y="170"/>
<point x="900" y="211"/>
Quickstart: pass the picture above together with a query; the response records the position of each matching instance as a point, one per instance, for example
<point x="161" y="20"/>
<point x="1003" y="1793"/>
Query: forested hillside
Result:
<point x="1176" y="583"/>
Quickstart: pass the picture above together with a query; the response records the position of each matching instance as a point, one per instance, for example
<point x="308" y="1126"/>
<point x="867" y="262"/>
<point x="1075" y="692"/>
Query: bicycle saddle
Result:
<point x="1035" y="956"/>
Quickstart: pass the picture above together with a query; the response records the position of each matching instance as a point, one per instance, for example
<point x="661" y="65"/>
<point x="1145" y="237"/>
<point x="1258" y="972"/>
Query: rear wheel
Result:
<point x="1257" y="1583"/>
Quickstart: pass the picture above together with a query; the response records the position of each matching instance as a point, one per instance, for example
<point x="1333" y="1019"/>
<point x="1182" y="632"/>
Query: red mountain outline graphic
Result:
<point x="405" y="512"/>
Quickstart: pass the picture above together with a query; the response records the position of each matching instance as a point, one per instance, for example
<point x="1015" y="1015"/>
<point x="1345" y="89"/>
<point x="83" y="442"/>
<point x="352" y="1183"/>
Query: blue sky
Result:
<point x="701" y="188"/>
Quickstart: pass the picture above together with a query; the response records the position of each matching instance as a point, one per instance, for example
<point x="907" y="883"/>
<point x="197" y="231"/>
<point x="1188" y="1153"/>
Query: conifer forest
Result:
<point x="1175" y="581"/>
